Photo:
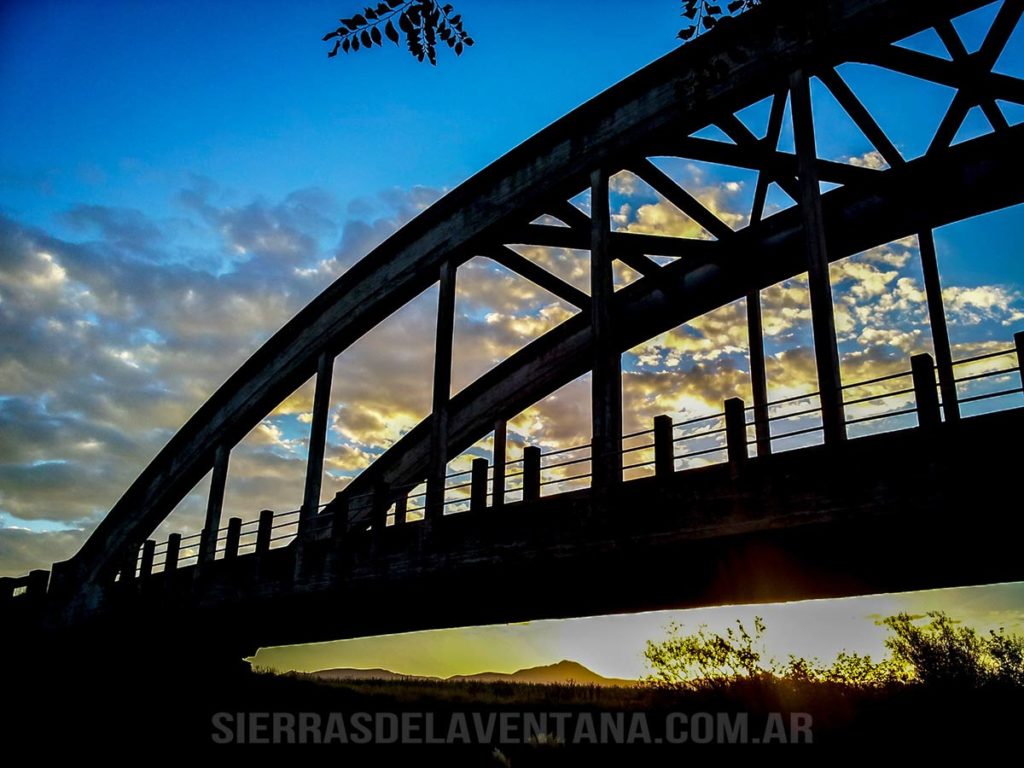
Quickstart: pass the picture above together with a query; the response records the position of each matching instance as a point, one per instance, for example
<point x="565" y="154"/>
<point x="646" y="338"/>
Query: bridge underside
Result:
<point x="901" y="511"/>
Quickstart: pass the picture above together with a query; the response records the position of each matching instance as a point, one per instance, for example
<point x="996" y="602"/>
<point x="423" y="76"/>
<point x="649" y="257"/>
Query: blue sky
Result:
<point x="178" y="178"/>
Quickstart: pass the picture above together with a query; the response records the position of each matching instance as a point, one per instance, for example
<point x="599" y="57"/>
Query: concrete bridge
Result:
<point x="627" y="522"/>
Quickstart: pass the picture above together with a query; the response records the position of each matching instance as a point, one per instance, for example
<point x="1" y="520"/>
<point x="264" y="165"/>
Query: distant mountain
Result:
<point x="563" y="672"/>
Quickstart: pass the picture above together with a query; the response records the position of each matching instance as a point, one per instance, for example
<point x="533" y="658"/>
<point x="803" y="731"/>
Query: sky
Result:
<point x="177" y="179"/>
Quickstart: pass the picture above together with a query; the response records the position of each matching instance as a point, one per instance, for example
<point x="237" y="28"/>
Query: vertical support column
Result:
<point x="173" y="550"/>
<point x="1018" y="343"/>
<point x="130" y="563"/>
<point x="401" y="507"/>
<point x="478" y="487"/>
<point x="339" y="522"/>
<point x="264" y="531"/>
<point x="922" y="369"/>
<point x="664" y="448"/>
<point x="317" y="442"/>
<point x="500" y="442"/>
<point x="606" y="381"/>
<point x="38" y="580"/>
<point x="214" y="505"/>
<point x="442" y="392"/>
<point x="758" y="374"/>
<point x="937" y="320"/>
<point x="531" y="473"/>
<point x="148" y="554"/>
<point x="379" y="514"/>
<point x="735" y="431"/>
<point x="233" y="538"/>
<point x="826" y="350"/>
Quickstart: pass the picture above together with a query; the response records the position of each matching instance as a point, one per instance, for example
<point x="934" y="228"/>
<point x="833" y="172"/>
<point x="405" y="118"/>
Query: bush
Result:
<point x="938" y="652"/>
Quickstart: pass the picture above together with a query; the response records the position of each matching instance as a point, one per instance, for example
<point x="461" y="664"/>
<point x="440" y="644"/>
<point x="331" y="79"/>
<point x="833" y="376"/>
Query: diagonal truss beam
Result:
<point x="680" y="198"/>
<point x="537" y="275"/>
<point x="624" y="244"/>
<point x="861" y="117"/>
<point x="941" y="71"/>
<point x="969" y="179"/>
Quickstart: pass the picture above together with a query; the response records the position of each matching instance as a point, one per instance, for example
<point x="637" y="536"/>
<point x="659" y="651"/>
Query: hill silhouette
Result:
<point x="563" y="672"/>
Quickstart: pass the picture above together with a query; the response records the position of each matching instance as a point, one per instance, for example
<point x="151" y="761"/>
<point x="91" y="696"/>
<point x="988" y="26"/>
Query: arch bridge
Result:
<point x="625" y="523"/>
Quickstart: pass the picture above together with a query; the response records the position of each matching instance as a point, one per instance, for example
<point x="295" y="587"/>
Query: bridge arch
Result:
<point x="770" y="52"/>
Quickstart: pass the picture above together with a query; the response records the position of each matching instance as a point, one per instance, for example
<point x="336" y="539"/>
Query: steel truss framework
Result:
<point x="771" y="52"/>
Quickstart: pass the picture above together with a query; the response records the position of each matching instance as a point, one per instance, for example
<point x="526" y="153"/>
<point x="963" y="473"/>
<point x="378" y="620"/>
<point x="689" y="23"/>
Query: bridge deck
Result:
<point x="903" y="510"/>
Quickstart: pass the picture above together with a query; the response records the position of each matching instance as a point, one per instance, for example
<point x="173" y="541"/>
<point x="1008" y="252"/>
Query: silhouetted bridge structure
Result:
<point x="764" y="501"/>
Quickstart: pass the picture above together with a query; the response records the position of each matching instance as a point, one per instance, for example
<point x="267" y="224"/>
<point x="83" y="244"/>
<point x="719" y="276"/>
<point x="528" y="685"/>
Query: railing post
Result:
<point x="531" y="473"/>
<point x="339" y="523"/>
<point x="264" y="531"/>
<point x="233" y="538"/>
<point x="401" y="507"/>
<point x="478" y="489"/>
<point x="7" y="585"/>
<point x="148" y="553"/>
<point x="498" y="489"/>
<point x="664" y="448"/>
<point x="38" y="580"/>
<point x="379" y="509"/>
<point x="173" y="550"/>
<point x="1018" y="343"/>
<point x="735" y="431"/>
<point x="922" y="369"/>
<point x="131" y="560"/>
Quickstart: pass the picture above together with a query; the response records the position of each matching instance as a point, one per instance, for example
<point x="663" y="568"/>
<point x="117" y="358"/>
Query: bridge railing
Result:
<point x="897" y="398"/>
<point x="902" y="399"/>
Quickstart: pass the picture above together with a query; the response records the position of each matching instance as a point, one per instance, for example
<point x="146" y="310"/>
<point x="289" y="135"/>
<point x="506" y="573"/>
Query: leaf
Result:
<point x="690" y="13"/>
<point x="709" y="22"/>
<point x="334" y="51"/>
<point x="468" y="41"/>
<point x="359" y="19"/>
<point x="350" y="23"/>
<point x="329" y="35"/>
<point x="375" y="34"/>
<point x="686" y="34"/>
<point x="458" y="49"/>
<point x="715" y="10"/>
<point x="365" y="38"/>
<point x="355" y="43"/>
<point x="346" y="44"/>
<point x="406" y="23"/>
<point x="735" y="6"/>
<point x="394" y="3"/>
<point x="391" y="32"/>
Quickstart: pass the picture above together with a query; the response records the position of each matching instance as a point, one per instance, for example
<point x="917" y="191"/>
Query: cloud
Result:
<point x="110" y="343"/>
<point x="112" y="340"/>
